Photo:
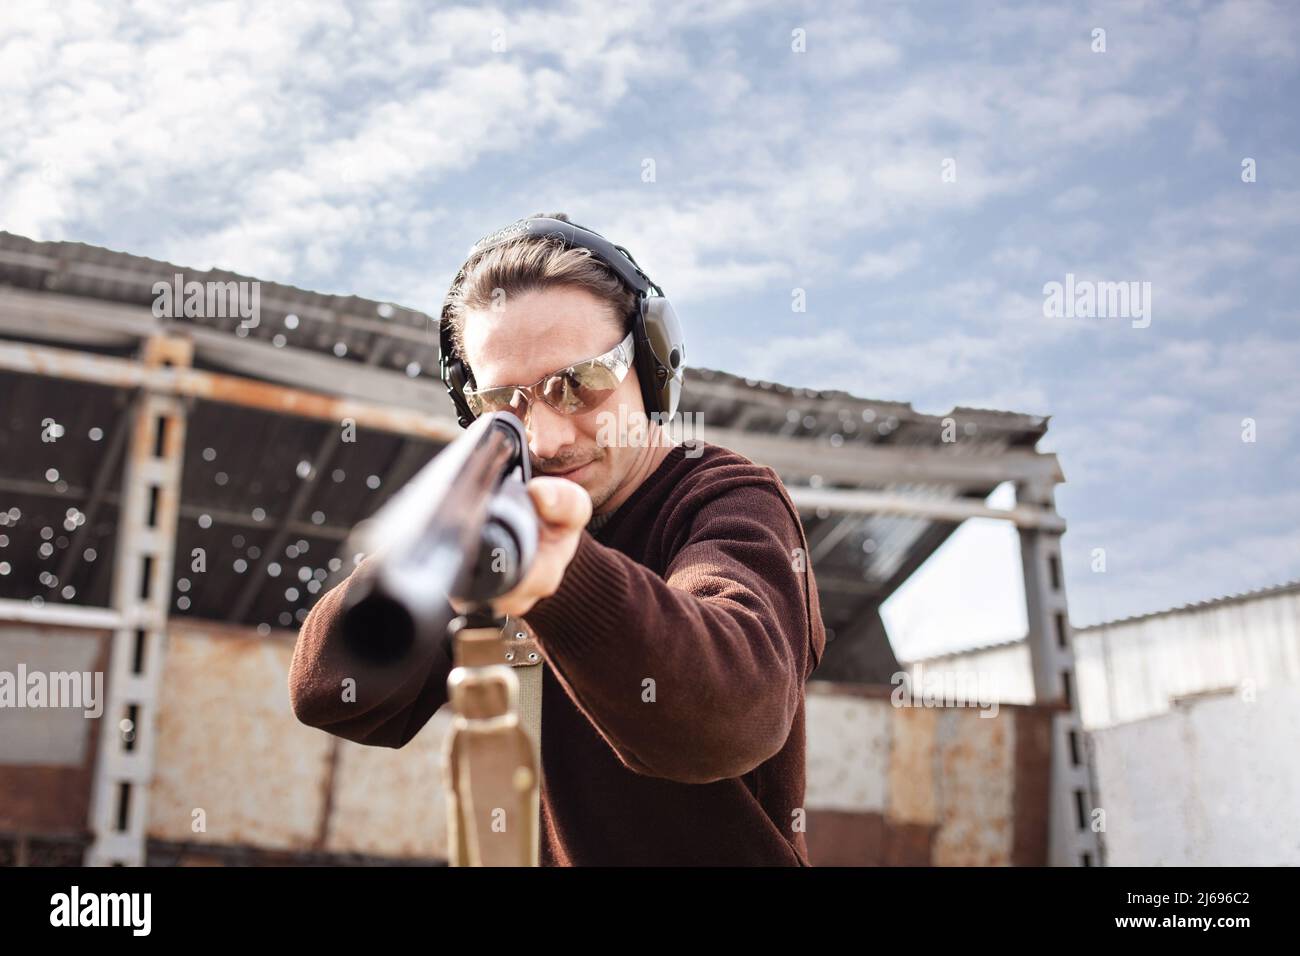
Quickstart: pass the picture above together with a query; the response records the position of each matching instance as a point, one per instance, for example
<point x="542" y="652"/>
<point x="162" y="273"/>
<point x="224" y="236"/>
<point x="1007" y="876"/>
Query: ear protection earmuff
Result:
<point x="660" y="352"/>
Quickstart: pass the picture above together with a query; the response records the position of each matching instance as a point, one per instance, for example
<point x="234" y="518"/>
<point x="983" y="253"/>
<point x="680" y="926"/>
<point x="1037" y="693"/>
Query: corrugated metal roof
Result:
<point x="75" y="268"/>
<point x="1289" y="587"/>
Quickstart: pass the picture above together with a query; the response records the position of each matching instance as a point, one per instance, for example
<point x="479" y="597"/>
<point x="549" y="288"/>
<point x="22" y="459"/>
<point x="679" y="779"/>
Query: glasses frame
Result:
<point x="617" y="360"/>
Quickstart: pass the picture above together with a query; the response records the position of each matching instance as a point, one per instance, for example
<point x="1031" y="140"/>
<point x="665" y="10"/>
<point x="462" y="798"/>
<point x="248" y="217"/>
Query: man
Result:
<point x="670" y="597"/>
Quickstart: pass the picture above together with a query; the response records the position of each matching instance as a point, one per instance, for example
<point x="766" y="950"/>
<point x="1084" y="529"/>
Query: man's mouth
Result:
<point x="571" y="472"/>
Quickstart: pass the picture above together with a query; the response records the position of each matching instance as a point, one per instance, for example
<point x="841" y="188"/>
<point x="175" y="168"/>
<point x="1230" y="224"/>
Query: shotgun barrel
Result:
<point x="463" y="528"/>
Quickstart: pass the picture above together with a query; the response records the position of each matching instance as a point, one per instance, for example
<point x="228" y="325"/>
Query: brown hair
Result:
<point x="531" y="265"/>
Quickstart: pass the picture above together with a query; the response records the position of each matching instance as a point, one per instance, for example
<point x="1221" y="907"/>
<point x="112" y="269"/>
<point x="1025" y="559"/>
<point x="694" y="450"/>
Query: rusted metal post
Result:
<point x="142" y="576"/>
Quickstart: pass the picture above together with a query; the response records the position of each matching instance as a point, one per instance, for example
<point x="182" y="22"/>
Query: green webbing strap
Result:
<point x="530" y="703"/>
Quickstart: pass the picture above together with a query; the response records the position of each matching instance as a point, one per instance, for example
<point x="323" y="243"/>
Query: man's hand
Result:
<point x="563" y="510"/>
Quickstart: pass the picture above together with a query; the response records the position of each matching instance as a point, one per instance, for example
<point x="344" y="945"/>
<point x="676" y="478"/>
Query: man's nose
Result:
<point x="548" y="431"/>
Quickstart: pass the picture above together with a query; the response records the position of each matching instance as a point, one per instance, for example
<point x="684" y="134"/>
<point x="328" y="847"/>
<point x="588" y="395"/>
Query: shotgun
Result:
<point x="463" y="529"/>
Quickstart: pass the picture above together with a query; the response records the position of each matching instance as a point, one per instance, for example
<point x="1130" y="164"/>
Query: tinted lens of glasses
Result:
<point x="490" y="400"/>
<point x="581" y="388"/>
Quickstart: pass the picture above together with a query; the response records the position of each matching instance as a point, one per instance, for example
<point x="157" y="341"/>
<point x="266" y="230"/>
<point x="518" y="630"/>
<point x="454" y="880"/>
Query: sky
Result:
<point x="921" y="171"/>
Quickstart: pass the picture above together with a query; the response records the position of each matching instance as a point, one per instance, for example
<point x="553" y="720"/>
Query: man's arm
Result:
<point x="724" y="638"/>
<point x="376" y="708"/>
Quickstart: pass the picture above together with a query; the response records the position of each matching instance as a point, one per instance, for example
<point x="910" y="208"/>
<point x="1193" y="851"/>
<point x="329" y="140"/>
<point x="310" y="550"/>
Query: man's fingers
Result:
<point x="559" y="501"/>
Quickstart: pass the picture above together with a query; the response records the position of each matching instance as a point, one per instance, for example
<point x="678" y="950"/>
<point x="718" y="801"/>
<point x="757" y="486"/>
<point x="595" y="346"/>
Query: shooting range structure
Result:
<point x="221" y="439"/>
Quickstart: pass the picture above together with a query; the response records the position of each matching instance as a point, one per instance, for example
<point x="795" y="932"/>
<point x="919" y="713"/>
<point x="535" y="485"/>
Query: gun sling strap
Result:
<point x="492" y="751"/>
<point x="529" y="672"/>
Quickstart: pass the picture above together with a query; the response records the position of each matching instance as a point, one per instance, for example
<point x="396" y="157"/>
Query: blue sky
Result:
<point x="361" y="148"/>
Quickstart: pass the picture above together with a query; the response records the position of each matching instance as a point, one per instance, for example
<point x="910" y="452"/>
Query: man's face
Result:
<point x="537" y="333"/>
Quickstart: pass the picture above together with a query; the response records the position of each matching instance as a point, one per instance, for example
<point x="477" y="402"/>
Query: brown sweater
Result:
<point x="696" y="584"/>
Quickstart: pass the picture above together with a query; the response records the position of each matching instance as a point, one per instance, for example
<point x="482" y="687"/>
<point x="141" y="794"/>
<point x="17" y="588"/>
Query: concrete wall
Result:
<point x="1215" y="782"/>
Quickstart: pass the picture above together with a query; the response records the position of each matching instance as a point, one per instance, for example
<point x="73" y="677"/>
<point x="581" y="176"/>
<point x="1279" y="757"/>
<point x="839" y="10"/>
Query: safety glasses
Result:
<point x="582" y="387"/>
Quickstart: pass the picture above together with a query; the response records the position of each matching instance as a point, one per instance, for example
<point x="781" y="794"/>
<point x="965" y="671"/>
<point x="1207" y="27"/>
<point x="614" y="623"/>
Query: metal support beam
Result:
<point x="847" y="584"/>
<point x="81" y="321"/>
<point x="227" y="389"/>
<point x="855" y="464"/>
<point x="60" y="615"/>
<point x="253" y="585"/>
<point x="794" y="458"/>
<point x="955" y="510"/>
<point x="142" y="579"/>
<point x="94" y="500"/>
<point x="1071" y="839"/>
<point x="824" y="541"/>
<point x="238" y="519"/>
<point x="930" y="541"/>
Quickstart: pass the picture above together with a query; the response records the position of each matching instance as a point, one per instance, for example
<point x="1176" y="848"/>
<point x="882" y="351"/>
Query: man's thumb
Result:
<point x="559" y="501"/>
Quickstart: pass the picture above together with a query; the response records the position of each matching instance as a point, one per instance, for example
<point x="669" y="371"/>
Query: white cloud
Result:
<point x="1206" y="136"/>
<point x="239" y="113"/>
<point x="887" y="264"/>
<point x="360" y="148"/>
<point x="1075" y="198"/>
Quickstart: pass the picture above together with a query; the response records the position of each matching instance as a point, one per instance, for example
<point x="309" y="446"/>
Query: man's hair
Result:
<point x="532" y="264"/>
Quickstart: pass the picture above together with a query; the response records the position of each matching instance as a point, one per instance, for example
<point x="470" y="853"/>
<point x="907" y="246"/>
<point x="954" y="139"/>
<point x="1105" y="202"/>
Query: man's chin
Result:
<point x="598" y="491"/>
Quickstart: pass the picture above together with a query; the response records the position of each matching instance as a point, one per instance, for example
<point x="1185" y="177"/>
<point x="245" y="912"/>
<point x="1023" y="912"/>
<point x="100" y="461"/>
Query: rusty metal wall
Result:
<point x="230" y="746"/>
<point x="886" y="784"/>
<point x="230" y="756"/>
<point x="390" y="802"/>
<point x="47" y="755"/>
<point x="914" y="785"/>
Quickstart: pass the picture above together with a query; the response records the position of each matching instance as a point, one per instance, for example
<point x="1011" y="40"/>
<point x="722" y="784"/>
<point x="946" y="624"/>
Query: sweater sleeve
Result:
<point x="695" y="676"/>
<point x="331" y="691"/>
